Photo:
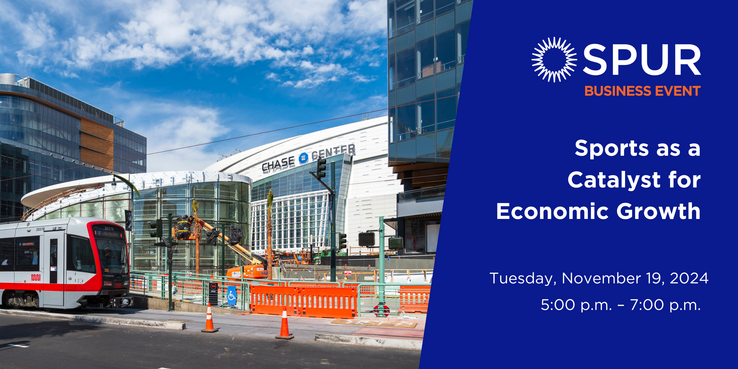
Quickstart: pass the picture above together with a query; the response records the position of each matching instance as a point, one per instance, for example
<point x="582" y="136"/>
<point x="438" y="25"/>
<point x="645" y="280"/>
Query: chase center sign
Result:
<point x="289" y="161"/>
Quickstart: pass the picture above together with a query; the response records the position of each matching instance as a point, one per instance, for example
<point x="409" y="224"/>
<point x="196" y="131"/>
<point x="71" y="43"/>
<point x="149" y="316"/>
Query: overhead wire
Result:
<point x="231" y="138"/>
<point x="236" y="138"/>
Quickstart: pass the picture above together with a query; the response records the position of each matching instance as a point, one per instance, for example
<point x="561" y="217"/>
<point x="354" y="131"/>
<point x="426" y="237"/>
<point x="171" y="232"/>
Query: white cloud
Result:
<point x="187" y="125"/>
<point x="318" y="74"/>
<point x="168" y="125"/>
<point x="376" y="104"/>
<point x="159" y="33"/>
<point x="233" y="80"/>
<point x="362" y="79"/>
<point x="36" y="30"/>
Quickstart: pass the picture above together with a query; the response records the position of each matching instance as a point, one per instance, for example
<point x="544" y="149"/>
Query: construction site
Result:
<point x="305" y="284"/>
<point x="194" y="228"/>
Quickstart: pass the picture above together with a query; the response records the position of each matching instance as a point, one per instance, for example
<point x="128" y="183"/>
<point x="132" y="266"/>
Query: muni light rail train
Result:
<point x="63" y="263"/>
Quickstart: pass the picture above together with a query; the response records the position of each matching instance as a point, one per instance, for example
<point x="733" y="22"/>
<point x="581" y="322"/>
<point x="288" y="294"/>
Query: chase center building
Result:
<point x="366" y="186"/>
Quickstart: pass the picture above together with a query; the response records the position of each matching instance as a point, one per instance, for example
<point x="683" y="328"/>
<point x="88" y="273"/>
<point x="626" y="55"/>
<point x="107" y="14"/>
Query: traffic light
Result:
<point x="341" y="241"/>
<point x="320" y="173"/>
<point x="234" y="235"/>
<point x="155" y="225"/>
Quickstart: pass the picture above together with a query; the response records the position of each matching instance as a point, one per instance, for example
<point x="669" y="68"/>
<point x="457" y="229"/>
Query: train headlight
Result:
<point x="125" y="283"/>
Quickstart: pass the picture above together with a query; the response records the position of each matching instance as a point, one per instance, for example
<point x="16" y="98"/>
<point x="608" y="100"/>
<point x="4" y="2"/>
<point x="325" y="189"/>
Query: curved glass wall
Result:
<point x="300" y="212"/>
<point x="221" y="204"/>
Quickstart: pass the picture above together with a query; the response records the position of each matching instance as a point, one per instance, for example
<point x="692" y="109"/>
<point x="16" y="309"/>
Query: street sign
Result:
<point x="346" y="272"/>
<point x="366" y="239"/>
<point x="395" y="243"/>
<point x="232" y="295"/>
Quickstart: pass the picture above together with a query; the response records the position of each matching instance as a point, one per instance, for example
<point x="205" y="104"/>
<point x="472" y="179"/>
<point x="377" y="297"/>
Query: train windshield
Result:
<point x="111" y="247"/>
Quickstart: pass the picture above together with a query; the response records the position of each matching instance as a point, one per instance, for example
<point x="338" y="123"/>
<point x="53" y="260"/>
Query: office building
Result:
<point x="49" y="137"/>
<point x="426" y="41"/>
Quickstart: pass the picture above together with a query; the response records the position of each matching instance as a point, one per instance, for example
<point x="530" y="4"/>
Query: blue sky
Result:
<point x="183" y="72"/>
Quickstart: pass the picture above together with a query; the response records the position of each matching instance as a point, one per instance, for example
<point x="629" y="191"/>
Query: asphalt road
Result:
<point x="38" y="343"/>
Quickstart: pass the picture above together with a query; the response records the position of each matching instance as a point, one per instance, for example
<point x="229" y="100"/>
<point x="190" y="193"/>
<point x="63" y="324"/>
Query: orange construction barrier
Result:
<point x="414" y="299"/>
<point x="284" y="333"/>
<point x="209" y="322"/>
<point x="316" y="302"/>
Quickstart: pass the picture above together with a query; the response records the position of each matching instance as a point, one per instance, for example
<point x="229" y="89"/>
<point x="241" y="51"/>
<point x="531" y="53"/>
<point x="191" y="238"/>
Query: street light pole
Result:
<point x="381" y="263"/>
<point x="169" y="263"/>
<point x="333" y="221"/>
<point x="332" y="198"/>
<point x="222" y="253"/>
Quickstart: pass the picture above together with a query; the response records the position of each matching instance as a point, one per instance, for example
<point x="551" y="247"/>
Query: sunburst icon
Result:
<point x="553" y="74"/>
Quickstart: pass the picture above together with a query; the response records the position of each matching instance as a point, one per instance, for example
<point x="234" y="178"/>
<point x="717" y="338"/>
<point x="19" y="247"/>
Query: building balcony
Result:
<point x="421" y="201"/>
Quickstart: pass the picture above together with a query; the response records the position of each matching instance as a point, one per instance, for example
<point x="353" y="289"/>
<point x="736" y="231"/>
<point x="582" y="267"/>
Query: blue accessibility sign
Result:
<point x="232" y="296"/>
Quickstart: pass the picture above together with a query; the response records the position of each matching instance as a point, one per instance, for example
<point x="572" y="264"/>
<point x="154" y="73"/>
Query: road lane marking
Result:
<point x="15" y="345"/>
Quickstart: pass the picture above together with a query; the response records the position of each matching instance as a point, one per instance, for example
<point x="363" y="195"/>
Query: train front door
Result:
<point x="54" y="265"/>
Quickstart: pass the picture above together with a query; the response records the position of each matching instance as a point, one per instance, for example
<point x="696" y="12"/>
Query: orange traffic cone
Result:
<point x="209" y="322"/>
<point x="284" y="333"/>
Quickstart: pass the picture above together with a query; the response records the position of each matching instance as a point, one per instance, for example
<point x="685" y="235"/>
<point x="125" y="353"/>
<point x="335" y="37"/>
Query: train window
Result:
<point x="79" y="255"/>
<point x="7" y="254"/>
<point x="111" y="248"/>
<point x="27" y="254"/>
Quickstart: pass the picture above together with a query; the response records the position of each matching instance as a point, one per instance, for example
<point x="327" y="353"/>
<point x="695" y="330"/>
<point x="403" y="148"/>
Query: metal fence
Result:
<point x="399" y="298"/>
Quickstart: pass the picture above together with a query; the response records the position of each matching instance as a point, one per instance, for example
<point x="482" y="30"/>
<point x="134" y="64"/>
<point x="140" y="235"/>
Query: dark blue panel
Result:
<point x="515" y="143"/>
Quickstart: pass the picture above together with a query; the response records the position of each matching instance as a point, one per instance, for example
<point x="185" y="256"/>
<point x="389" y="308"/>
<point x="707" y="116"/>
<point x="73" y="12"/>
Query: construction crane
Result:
<point x="252" y="264"/>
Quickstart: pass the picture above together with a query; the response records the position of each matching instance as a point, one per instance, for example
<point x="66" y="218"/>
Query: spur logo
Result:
<point x="554" y="59"/>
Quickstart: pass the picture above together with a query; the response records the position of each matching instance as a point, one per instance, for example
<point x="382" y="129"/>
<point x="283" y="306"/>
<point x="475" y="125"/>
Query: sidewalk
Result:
<point x="404" y="332"/>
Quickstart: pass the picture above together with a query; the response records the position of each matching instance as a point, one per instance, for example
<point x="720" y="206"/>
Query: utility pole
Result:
<point x="333" y="221"/>
<point x="168" y="243"/>
<point x="222" y="253"/>
<point x="381" y="263"/>
<point x="310" y="244"/>
<point x="318" y="174"/>
<point x="170" y="240"/>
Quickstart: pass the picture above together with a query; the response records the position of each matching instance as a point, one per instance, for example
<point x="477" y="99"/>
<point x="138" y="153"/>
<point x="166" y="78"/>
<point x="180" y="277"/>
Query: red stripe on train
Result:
<point x="87" y="287"/>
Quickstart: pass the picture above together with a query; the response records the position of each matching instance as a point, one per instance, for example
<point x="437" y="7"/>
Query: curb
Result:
<point x="370" y="341"/>
<point x="155" y="303"/>
<point x="99" y="319"/>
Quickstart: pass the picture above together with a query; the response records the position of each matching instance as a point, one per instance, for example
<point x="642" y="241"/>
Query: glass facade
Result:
<point x="23" y="170"/>
<point x="43" y="144"/>
<point x="25" y="121"/>
<point x="129" y="151"/>
<point x="427" y="48"/>
<point x="221" y="204"/>
<point x="300" y="211"/>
